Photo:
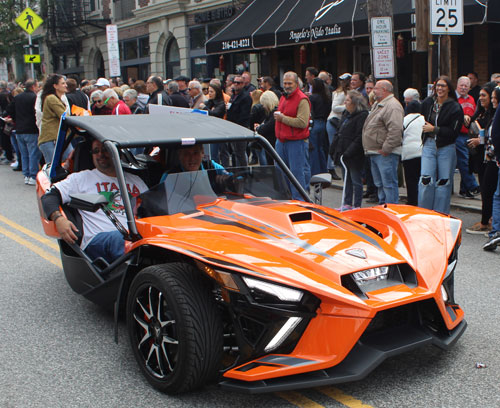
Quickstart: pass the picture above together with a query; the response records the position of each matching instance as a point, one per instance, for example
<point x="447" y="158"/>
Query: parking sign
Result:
<point x="447" y="17"/>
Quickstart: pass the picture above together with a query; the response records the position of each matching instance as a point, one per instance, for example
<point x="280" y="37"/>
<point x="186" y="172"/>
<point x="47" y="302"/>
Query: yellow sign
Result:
<point x="32" y="58"/>
<point x="29" y="20"/>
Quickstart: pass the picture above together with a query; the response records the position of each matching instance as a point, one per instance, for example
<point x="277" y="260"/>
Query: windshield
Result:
<point x="184" y="192"/>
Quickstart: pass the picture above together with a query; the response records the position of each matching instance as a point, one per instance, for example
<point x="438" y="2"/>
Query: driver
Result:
<point x="100" y="236"/>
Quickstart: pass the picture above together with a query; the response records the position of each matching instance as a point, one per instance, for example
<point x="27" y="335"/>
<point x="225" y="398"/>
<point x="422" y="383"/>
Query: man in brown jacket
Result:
<point x="382" y="138"/>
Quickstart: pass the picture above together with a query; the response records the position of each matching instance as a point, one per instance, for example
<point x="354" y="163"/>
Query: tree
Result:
<point x="11" y="35"/>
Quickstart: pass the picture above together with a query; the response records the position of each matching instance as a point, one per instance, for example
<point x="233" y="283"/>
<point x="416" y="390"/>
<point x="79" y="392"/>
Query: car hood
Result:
<point x="292" y="242"/>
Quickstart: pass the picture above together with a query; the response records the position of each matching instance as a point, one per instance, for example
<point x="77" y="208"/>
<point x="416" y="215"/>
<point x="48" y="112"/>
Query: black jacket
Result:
<point x="153" y="99"/>
<point x="22" y="111"/>
<point x="320" y="109"/>
<point x="215" y="107"/>
<point x="239" y="112"/>
<point x="449" y="121"/>
<point x="78" y="98"/>
<point x="267" y="128"/>
<point x="348" y="141"/>
<point x="136" y="109"/>
<point x="495" y="133"/>
<point x="257" y="114"/>
<point x="179" y="100"/>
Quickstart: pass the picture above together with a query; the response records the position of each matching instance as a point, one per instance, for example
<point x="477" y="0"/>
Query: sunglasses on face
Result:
<point x="204" y="89"/>
<point x="237" y="82"/>
<point x="97" y="100"/>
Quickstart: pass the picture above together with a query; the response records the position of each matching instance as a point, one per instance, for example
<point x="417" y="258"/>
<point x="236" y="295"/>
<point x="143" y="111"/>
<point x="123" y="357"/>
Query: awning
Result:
<point x="273" y="23"/>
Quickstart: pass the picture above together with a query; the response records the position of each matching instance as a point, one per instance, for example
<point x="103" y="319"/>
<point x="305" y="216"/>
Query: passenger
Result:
<point x="100" y="236"/>
<point x="191" y="159"/>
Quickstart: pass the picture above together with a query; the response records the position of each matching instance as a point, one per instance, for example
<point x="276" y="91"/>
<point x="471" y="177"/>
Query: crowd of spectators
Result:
<point x="352" y="124"/>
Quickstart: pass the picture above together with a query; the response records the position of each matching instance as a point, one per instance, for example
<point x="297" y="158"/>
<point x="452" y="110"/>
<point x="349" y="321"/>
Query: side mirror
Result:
<point x="87" y="202"/>
<point x="319" y="182"/>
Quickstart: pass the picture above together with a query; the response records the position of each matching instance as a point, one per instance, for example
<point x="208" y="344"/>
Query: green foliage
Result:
<point x="12" y="37"/>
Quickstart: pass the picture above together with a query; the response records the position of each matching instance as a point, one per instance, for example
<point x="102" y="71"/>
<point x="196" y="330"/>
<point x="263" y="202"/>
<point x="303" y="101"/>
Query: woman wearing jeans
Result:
<point x="443" y="120"/>
<point x="52" y="109"/>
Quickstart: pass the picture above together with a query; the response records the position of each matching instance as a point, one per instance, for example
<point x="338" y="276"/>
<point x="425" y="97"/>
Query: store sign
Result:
<point x="316" y="33"/>
<point x="113" y="50"/>
<point x="209" y="16"/>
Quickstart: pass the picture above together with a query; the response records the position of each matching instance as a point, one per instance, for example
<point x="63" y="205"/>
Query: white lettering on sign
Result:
<point x="315" y="33"/>
<point x="236" y="44"/>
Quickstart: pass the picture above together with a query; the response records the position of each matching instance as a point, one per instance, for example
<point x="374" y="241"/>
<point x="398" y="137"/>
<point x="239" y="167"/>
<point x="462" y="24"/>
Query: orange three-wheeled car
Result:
<point x="226" y="279"/>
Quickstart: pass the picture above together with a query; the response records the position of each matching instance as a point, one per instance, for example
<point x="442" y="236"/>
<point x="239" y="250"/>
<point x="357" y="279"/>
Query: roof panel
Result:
<point x="154" y="130"/>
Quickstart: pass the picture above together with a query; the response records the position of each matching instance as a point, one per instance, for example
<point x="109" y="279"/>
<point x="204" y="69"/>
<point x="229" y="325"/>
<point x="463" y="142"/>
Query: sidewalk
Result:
<point x="457" y="202"/>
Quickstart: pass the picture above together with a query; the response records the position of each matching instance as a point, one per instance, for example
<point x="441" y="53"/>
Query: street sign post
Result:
<point x="447" y="17"/>
<point x="29" y="21"/>
<point x="382" y="47"/>
<point x="113" y="50"/>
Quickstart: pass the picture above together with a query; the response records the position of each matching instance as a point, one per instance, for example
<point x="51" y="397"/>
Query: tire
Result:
<point x="175" y="327"/>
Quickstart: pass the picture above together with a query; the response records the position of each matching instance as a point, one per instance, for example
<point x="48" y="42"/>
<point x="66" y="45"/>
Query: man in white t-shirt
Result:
<point x="100" y="236"/>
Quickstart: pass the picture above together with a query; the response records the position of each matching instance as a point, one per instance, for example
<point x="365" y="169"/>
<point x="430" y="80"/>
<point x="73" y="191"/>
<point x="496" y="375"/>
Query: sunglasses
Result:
<point x="96" y="150"/>
<point x="237" y="82"/>
<point x="97" y="100"/>
<point x="204" y="89"/>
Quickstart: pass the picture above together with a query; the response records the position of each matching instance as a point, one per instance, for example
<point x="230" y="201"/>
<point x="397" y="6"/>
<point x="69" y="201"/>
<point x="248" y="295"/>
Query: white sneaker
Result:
<point x="26" y="180"/>
<point x="31" y="182"/>
<point x="14" y="164"/>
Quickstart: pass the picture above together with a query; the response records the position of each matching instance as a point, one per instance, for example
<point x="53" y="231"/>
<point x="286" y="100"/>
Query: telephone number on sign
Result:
<point x="235" y="44"/>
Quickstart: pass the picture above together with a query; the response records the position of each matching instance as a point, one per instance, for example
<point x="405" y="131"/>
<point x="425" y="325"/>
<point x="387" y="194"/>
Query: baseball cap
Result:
<point x="102" y="82"/>
<point x="345" y="76"/>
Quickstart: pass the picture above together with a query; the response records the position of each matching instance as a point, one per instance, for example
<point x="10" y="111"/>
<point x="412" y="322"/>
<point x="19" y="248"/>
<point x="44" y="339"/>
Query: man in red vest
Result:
<point x="292" y="131"/>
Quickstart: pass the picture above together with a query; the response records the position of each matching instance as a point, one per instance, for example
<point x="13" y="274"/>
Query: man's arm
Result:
<point x="302" y="119"/>
<point x="51" y="201"/>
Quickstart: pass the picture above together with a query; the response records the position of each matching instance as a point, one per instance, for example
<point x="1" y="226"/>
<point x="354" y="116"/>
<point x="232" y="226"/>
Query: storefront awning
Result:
<point x="273" y="23"/>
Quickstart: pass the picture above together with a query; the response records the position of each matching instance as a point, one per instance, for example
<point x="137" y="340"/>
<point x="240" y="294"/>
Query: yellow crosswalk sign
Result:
<point x="32" y="58"/>
<point x="28" y="20"/>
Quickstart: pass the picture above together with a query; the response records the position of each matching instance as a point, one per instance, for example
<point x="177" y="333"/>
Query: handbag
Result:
<point x="473" y="132"/>
<point x="335" y="122"/>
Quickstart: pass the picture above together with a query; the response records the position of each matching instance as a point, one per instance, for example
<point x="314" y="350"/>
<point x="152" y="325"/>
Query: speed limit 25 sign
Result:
<point x="447" y="17"/>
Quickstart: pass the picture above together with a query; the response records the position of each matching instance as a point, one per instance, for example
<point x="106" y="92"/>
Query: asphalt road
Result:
<point x="57" y="349"/>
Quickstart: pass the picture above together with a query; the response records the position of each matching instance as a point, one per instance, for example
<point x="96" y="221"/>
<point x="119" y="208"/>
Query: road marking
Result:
<point x="338" y="395"/>
<point x="30" y="233"/>
<point x="298" y="399"/>
<point x="45" y="255"/>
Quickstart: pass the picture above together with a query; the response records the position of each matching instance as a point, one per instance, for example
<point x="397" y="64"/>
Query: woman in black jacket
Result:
<point x="269" y="102"/>
<point x="321" y="102"/>
<point x="215" y="106"/>
<point x="347" y="148"/>
<point x="443" y="120"/>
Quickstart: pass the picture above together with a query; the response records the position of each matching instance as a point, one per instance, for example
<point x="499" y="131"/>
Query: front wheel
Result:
<point x="174" y="326"/>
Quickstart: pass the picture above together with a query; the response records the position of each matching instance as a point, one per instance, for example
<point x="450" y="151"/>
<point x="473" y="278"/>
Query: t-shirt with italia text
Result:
<point x="91" y="182"/>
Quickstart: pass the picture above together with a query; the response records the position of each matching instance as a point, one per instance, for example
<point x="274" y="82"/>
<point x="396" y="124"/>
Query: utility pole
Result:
<point x="382" y="8"/>
<point x="424" y="37"/>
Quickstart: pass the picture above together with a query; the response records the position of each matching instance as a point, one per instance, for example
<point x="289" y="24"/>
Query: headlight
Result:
<point x="444" y="294"/>
<point x="371" y="275"/>
<point x="281" y="292"/>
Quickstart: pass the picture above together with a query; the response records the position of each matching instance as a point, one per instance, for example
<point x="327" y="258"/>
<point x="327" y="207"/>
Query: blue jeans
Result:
<point x="353" y="182"/>
<point x="332" y="132"/>
<point x="30" y="153"/>
<point x="317" y="156"/>
<point x="495" y="223"/>
<point x="108" y="245"/>
<point x="385" y="176"/>
<point x="467" y="180"/>
<point x="295" y="154"/>
<point x="436" y="176"/>
<point x="13" y="142"/>
<point x="47" y="149"/>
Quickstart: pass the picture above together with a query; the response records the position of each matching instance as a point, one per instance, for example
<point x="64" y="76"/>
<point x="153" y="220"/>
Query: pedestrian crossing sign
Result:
<point x="32" y="58"/>
<point x="28" y="20"/>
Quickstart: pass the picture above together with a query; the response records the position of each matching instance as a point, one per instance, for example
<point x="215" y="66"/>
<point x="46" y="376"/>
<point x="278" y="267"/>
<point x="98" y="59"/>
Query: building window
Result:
<point x="130" y="49"/>
<point x="143" y="47"/>
<point x="172" y="59"/>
